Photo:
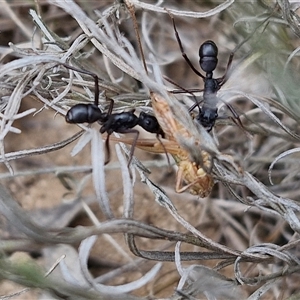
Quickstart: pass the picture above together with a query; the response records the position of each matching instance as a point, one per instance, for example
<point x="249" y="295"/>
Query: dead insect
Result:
<point x="194" y="174"/>
<point x="190" y="176"/>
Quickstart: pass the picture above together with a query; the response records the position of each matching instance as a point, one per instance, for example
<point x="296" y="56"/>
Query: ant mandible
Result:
<point x="111" y="122"/>
<point x="208" y="53"/>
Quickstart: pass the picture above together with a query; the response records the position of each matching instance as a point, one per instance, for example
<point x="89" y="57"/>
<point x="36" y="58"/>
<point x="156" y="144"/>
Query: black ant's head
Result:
<point x="207" y="118"/>
<point x="84" y="113"/>
<point x="150" y="123"/>
<point x="208" y="53"/>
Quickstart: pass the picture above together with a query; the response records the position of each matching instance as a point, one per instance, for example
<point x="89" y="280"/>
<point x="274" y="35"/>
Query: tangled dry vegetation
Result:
<point x="74" y="228"/>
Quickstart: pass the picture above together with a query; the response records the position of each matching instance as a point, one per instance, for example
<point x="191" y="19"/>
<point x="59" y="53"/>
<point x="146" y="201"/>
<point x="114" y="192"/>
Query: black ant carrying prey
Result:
<point x="208" y="53"/>
<point x="118" y="122"/>
<point x="112" y="122"/>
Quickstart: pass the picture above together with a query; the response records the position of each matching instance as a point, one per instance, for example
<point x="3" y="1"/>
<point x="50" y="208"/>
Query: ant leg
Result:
<point x="236" y="118"/>
<point x="182" y="89"/>
<point x="221" y="81"/>
<point x="96" y="80"/>
<point x="133" y="143"/>
<point x="187" y="91"/>
<point x="182" y="49"/>
<point x="194" y="105"/>
<point x="107" y="150"/>
<point x="111" y="106"/>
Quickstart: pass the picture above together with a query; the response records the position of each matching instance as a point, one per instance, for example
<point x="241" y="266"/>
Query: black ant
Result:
<point x="112" y="122"/>
<point x="208" y="53"/>
<point x="118" y="122"/>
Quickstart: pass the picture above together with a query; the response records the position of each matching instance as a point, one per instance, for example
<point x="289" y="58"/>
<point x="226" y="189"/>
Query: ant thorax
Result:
<point x="211" y="86"/>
